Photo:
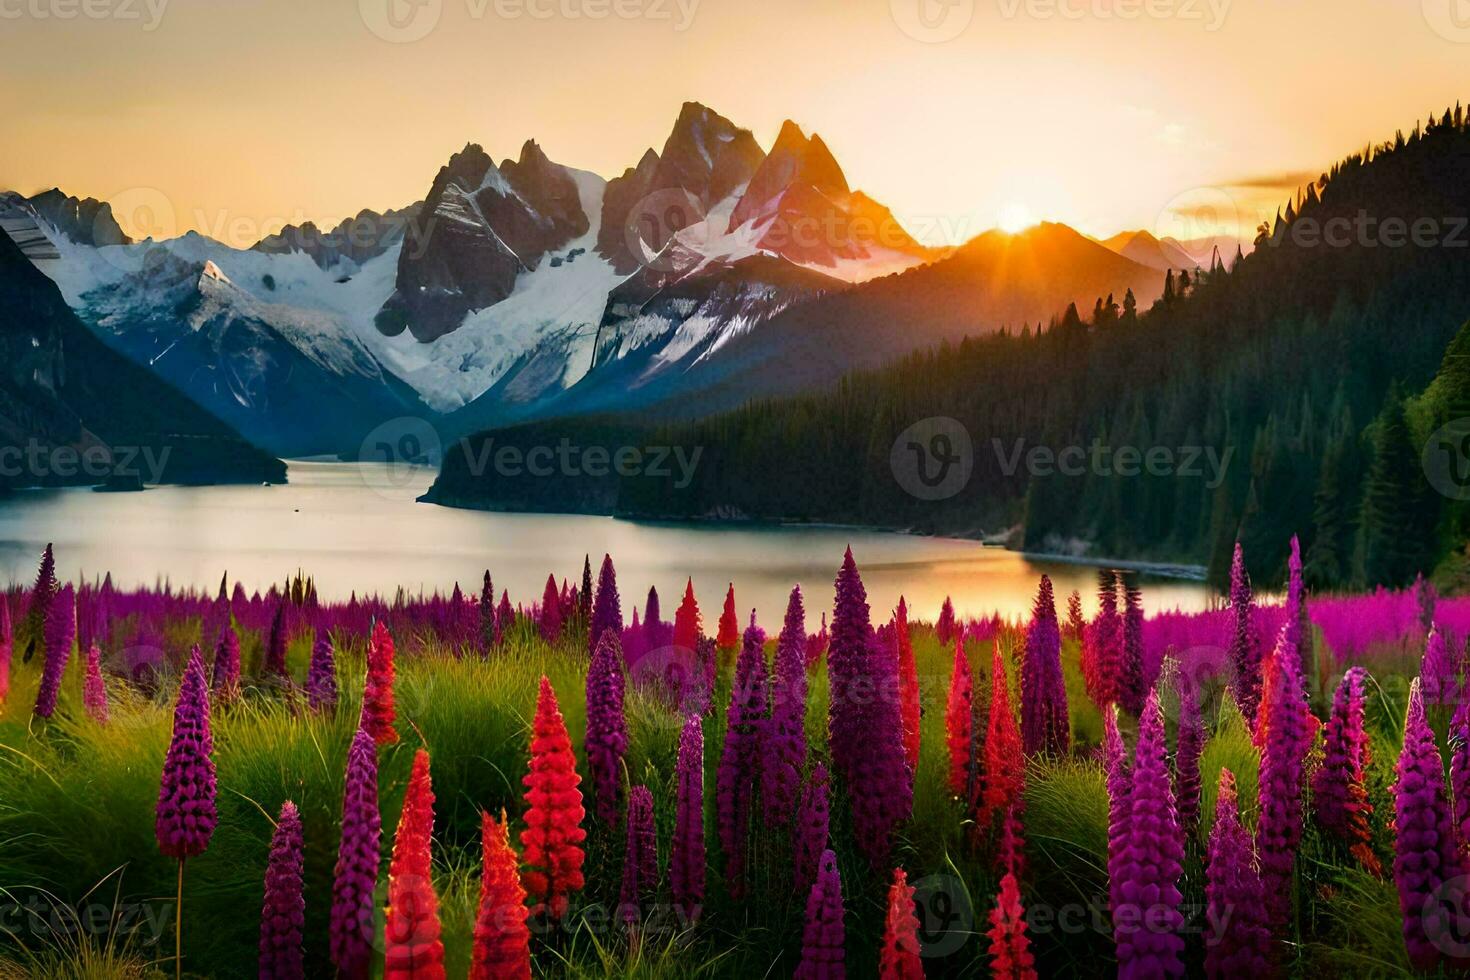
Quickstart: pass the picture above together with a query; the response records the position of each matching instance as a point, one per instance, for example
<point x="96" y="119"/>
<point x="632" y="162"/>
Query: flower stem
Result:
<point x="179" y="927"/>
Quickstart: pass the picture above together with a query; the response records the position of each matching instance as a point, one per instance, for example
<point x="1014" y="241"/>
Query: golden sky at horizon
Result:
<point x="232" y="117"/>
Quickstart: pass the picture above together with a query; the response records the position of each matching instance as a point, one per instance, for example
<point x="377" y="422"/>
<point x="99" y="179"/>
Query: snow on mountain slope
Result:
<point x="549" y="320"/>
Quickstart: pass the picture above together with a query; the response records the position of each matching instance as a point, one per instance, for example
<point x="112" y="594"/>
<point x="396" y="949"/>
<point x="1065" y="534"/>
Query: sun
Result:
<point x="1015" y="216"/>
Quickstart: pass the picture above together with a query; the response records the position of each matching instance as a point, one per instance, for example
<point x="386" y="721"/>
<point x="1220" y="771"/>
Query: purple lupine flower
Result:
<point x="640" y="861"/>
<point x="607" y="727"/>
<point x="1146" y="922"/>
<point x="1297" y="627"/>
<point x="813" y="815"/>
<point x="1245" y="652"/>
<point x="226" y="684"/>
<point x="283" y="913"/>
<point x="1233" y="895"/>
<point x="823" y="938"/>
<point x="1044" y="726"/>
<point x="60" y="634"/>
<point x="94" y="689"/>
<point x="607" y="610"/>
<point x="39" y="611"/>
<point x="1189" y="747"/>
<point x="786" y="750"/>
<point x="321" y="676"/>
<point x="1424" y="862"/>
<point x="739" y="771"/>
<point x="358" y="857"/>
<point x="1119" y="771"/>
<point x="1339" y="795"/>
<point x="185" y="817"/>
<point x="881" y="788"/>
<point x="686" y="856"/>
<point x="1460" y="779"/>
<point x="275" y="655"/>
<point x="847" y="653"/>
<point x="1439" y="673"/>
<point x="1279" y="830"/>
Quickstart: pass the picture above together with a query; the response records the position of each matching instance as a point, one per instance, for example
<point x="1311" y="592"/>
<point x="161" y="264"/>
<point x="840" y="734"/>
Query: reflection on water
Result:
<point x="357" y="529"/>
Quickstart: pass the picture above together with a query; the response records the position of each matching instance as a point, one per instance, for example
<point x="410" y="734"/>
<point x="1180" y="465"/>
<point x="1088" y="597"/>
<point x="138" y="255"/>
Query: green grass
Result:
<point x="77" y="803"/>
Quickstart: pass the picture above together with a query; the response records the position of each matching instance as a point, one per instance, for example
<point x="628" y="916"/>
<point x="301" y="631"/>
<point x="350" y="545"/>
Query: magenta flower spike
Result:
<point x="1233" y="895"/>
<point x="1339" y="792"/>
<point x="824" y="938"/>
<point x="739" y="772"/>
<point x="786" y="751"/>
<point x="226" y="683"/>
<point x="607" y="609"/>
<point x="881" y="786"/>
<point x="1147" y="921"/>
<point x="1245" y="651"/>
<point x="687" y="856"/>
<point x="1279" y="829"/>
<point x="283" y="913"/>
<point x="607" y="727"/>
<point x="847" y="654"/>
<point x="1425" y="864"/>
<point x="321" y="675"/>
<point x="813" y="818"/>
<point x="640" y="860"/>
<point x="275" y="654"/>
<point x="1044" y="724"/>
<point x="359" y="854"/>
<point x="1189" y="748"/>
<point x="60" y="635"/>
<point x="185" y="818"/>
<point x="1439" y="672"/>
<point x="94" y="689"/>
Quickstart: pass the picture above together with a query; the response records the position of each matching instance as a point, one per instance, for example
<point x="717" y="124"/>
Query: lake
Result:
<point x="357" y="528"/>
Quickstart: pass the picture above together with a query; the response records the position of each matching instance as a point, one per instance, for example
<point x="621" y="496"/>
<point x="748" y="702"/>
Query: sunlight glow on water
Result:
<point x="333" y="522"/>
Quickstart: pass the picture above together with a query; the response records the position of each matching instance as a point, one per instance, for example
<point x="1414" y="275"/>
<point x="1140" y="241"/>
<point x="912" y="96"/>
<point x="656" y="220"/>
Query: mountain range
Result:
<point x="1315" y="389"/>
<point x="709" y="272"/>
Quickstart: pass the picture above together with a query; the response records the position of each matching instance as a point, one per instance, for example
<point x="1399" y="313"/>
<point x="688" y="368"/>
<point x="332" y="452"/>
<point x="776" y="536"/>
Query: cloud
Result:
<point x="1284" y="182"/>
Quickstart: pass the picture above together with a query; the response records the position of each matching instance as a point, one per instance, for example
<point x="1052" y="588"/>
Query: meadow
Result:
<point x="1016" y="829"/>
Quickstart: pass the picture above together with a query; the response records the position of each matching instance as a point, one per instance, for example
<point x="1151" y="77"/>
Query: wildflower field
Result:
<point x="464" y="785"/>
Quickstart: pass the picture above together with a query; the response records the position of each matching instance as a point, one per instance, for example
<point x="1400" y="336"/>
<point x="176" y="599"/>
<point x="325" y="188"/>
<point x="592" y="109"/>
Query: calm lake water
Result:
<point x="357" y="529"/>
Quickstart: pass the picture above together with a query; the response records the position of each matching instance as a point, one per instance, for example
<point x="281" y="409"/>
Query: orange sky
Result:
<point x="233" y="116"/>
